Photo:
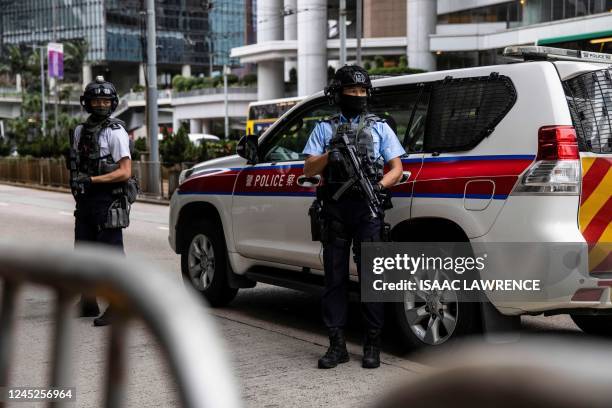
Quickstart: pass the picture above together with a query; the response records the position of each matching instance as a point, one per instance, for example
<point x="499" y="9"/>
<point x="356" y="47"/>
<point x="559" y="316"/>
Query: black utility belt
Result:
<point x="326" y="192"/>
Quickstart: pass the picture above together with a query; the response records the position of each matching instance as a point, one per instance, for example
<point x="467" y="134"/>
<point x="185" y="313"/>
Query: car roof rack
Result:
<point x="539" y="53"/>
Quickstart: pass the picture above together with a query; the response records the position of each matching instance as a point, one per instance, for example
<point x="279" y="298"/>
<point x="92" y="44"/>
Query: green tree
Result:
<point x="251" y="79"/>
<point x="75" y="52"/>
<point x="176" y="148"/>
<point x="379" y="61"/>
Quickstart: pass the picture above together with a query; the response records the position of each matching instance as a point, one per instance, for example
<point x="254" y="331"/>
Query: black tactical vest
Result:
<point x="90" y="160"/>
<point x="361" y="136"/>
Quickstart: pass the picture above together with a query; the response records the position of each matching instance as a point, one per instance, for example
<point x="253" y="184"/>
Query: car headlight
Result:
<point x="182" y="176"/>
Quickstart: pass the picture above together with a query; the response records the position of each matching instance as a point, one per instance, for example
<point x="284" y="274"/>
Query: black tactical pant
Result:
<point x="347" y="221"/>
<point x="90" y="215"/>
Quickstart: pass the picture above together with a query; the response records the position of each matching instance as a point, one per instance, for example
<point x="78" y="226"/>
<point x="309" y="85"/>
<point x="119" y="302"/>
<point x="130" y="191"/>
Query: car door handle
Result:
<point x="313" y="181"/>
<point x="405" y="177"/>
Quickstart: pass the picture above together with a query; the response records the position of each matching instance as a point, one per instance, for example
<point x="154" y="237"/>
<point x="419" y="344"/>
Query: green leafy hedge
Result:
<point x="394" y="71"/>
<point x="184" y="84"/>
<point x="177" y="148"/>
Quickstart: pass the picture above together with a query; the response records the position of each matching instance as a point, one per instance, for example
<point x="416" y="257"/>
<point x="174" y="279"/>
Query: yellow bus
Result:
<point x="264" y="113"/>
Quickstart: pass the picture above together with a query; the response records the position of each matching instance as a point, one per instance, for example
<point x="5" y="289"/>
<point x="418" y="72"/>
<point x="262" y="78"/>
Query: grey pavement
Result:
<point x="273" y="335"/>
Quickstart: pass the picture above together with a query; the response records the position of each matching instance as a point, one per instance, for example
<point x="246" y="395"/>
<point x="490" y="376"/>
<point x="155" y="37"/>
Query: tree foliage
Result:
<point x="177" y="148"/>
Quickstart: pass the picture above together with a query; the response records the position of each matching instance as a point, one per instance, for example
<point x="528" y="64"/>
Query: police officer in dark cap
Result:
<point x="346" y="217"/>
<point x="101" y="166"/>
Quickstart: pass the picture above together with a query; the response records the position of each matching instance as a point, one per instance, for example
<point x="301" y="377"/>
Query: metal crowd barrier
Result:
<point x="175" y="316"/>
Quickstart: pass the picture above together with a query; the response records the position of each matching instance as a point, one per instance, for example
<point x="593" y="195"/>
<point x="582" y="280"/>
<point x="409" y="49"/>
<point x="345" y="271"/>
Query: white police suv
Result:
<point x="520" y="152"/>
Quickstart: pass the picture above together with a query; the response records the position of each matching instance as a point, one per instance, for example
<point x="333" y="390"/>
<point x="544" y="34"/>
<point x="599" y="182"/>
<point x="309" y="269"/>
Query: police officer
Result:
<point x="101" y="167"/>
<point x="347" y="218"/>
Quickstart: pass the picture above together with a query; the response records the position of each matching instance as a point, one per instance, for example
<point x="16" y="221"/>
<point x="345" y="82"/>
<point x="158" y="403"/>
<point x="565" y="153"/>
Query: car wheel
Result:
<point x="204" y="264"/>
<point x="433" y="319"/>
<point x="594" y="325"/>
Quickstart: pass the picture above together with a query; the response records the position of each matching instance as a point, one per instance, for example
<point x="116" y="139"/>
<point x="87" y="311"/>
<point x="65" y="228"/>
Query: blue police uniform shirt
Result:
<point x="385" y="141"/>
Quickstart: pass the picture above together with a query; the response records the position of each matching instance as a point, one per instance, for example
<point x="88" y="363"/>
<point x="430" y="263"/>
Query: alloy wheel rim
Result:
<point x="431" y="315"/>
<point x="201" y="262"/>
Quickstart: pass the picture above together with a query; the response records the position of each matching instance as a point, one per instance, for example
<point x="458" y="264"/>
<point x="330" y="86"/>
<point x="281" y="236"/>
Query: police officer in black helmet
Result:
<point x="100" y="168"/>
<point x="346" y="217"/>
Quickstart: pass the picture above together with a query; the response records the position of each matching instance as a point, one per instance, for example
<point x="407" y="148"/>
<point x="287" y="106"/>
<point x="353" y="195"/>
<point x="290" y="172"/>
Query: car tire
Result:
<point x="435" y="322"/>
<point x="594" y="325"/>
<point x="204" y="263"/>
<point x="419" y="328"/>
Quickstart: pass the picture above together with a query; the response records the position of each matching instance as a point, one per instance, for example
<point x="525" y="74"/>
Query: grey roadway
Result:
<point x="273" y="335"/>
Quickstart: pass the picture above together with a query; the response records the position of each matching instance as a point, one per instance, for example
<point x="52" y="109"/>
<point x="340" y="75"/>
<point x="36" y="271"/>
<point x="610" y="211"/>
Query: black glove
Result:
<point x="83" y="180"/>
<point x="378" y="189"/>
<point x="384" y="195"/>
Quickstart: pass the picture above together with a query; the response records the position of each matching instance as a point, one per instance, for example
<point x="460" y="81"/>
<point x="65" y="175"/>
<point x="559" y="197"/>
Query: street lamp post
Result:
<point x="225" y="72"/>
<point x="359" y="29"/>
<point x="152" y="127"/>
<point x="342" y="31"/>
<point x="56" y="107"/>
<point x="43" y="126"/>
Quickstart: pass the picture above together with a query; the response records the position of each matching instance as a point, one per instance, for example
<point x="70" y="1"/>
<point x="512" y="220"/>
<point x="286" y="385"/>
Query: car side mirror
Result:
<point x="247" y="148"/>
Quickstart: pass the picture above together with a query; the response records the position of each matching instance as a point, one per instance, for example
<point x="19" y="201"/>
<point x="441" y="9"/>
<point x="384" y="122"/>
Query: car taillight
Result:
<point x="557" y="166"/>
<point x="557" y="143"/>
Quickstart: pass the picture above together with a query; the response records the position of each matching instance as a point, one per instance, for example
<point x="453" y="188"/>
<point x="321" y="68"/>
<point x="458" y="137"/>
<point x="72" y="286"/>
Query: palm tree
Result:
<point x="75" y="53"/>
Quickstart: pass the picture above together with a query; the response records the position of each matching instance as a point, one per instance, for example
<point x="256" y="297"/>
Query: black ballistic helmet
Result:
<point x="99" y="89"/>
<point x="348" y="75"/>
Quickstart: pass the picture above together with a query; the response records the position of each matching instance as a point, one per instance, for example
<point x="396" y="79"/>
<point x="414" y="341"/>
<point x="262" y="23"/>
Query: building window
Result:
<point x="526" y="12"/>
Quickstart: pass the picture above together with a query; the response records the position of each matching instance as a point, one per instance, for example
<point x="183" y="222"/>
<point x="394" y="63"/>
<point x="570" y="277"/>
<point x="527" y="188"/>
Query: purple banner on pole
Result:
<point x="55" y="60"/>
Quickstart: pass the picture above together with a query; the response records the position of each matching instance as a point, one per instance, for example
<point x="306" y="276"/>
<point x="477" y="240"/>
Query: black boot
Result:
<point x="105" y="319"/>
<point x="371" y="349"/>
<point x="88" y="307"/>
<point x="336" y="353"/>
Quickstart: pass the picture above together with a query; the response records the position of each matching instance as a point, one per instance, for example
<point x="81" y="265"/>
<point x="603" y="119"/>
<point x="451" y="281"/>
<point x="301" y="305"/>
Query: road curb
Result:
<point x="57" y="189"/>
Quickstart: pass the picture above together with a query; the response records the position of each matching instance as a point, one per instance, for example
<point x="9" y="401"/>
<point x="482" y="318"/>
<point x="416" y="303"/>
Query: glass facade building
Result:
<point x="187" y="30"/>
<point x="41" y="21"/>
<point x="227" y="26"/>
<point x="520" y="13"/>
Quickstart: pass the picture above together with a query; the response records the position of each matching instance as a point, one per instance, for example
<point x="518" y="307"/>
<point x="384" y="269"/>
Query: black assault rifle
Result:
<point x="73" y="166"/>
<point x="346" y="153"/>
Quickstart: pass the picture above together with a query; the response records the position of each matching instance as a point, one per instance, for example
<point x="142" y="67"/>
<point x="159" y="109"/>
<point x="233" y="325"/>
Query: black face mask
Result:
<point x="352" y="106"/>
<point x="100" y="113"/>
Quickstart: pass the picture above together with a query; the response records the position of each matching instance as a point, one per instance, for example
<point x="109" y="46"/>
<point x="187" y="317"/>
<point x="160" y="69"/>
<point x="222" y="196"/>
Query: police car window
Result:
<point x="463" y="111"/>
<point x="289" y="142"/>
<point x="405" y="110"/>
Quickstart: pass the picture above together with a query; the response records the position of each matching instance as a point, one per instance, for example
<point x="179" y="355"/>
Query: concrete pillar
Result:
<point x="176" y="124"/>
<point x="206" y="126"/>
<point x="270" y="75"/>
<point x="270" y="83"/>
<point x="312" y="46"/>
<point x="18" y="82"/>
<point x="290" y="25"/>
<point x="422" y="18"/>
<point x="195" y="126"/>
<point x="186" y="71"/>
<point x="87" y="74"/>
<point x="141" y="75"/>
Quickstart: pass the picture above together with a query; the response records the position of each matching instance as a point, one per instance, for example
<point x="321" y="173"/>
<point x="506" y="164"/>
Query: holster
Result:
<point x="128" y="189"/>
<point x="315" y="212"/>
